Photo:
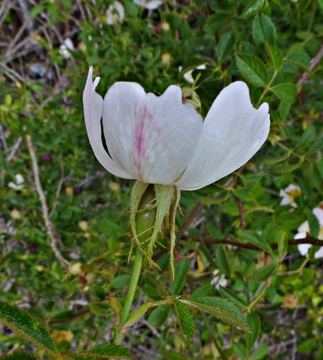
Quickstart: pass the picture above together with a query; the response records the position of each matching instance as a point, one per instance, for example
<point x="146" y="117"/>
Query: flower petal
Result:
<point x="233" y="132"/>
<point x="303" y="248"/>
<point x="93" y="107"/>
<point x="152" y="138"/>
<point x="318" y="212"/>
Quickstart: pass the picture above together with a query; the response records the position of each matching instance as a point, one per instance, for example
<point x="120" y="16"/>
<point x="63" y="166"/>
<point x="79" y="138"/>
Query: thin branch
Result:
<point x="308" y="240"/>
<point x="48" y="223"/>
<point x="316" y="60"/>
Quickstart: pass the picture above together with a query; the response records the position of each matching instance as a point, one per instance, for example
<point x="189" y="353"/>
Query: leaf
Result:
<point x="26" y="327"/>
<point x="321" y="3"/>
<point x="230" y="295"/>
<point x="300" y="59"/>
<point x="18" y="355"/>
<point x="225" y="46"/>
<point x="105" y="351"/>
<point x="253" y="7"/>
<point x="282" y="243"/>
<point x="158" y="316"/>
<point x="190" y="64"/>
<point x="252" y="69"/>
<point x="240" y="350"/>
<point x="116" y="307"/>
<point x="307" y="346"/>
<point x="216" y="22"/>
<point x="263" y="30"/>
<point x="220" y="308"/>
<point x="185" y="320"/>
<point x="137" y="314"/>
<point x="98" y="310"/>
<point x="181" y="270"/>
<point x="313" y="223"/>
<point x="265" y="272"/>
<point x="286" y="92"/>
<point x="256" y="239"/>
<point x="309" y="136"/>
<point x="284" y="168"/>
<point x="260" y="352"/>
<point x="222" y="261"/>
<point x="275" y="55"/>
<point x="120" y="281"/>
<point x="254" y="324"/>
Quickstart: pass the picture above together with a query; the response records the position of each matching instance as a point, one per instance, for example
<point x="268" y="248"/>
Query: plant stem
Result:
<point x="130" y="295"/>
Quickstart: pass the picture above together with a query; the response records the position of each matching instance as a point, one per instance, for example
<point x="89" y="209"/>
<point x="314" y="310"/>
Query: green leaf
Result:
<point x="282" y="243"/>
<point x="185" y="320"/>
<point x="313" y="223"/>
<point x="225" y="46"/>
<point x="309" y="136"/>
<point x="253" y="7"/>
<point x="256" y="239"/>
<point x="105" y="351"/>
<point x="307" y="346"/>
<point x="26" y="327"/>
<point x="300" y="59"/>
<point x="216" y="22"/>
<point x="190" y="64"/>
<point x="286" y="92"/>
<point x="230" y="295"/>
<point x="254" y="324"/>
<point x="240" y="350"/>
<point x="321" y="3"/>
<point x="98" y="310"/>
<point x="265" y="272"/>
<point x="220" y="308"/>
<point x="18" y="355"/>
<point x="260" y="352"/>
<point x="284" y="168"/>
<point x="263" y="30"/>
<point x="275" y="55"/>
<point x="222" y="261"/>
<point x="252" y="69"/>
<point x="158" y="316"/>
<point x="181" y="270"/>
<point x="138" y="313"/>
<point x="120" y="281"/>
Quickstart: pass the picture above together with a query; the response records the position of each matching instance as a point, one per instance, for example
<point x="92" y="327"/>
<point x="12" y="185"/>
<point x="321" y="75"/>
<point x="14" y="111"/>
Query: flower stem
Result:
<point x="130" y="295"/>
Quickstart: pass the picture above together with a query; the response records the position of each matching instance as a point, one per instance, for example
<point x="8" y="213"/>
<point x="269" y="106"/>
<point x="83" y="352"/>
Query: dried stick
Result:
<point x="48" y="223"/>
<point x="316" y="59"/>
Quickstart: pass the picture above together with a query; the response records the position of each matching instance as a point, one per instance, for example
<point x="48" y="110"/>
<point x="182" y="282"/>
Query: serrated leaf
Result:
<point x="26" y="327"/>
<point x="105" y="351"/>
<point x="265" y="272"/>
<point x="18" y="355"/>
<point x="256" y="239"/>
<point x="284" y="168"/>
<point x="222" y="261"/>
<point x="181" y="270"/>
<point x="308" y="137"/>
<point x="225" y="46"/>
<point x="260" y="352"/>
<point x="158" y="316"/>
<point x="138" y="313"/>
<point x="162" y="292"/>
<point x="282" y="243"/>
<point x="185" y="320"/>
<point x="230" y="295"/>
<point x="253" y="7"/>
<point x="285" y="92"/>
<point x="216" y="22"/>
<point x="313" y="223"/>
<point x="220" y="308"/>
<point x="254" y="324"/>
<point x="263" y="30"/>
<point x="252" y="69"/>
<point x="300" y="59"/>
<point x="275" y="55"/>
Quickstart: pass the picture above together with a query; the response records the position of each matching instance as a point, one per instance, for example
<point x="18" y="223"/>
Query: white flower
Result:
<point x="305" y="228"/>
<point x="115" y="13"/>
<point x="18" y="184"/>
<point x="188" y="75"/>
<point x="65" y="48"/>
<point x="148" y="4"/>
<point x="218" y="280"/>
<point x="289" y="194"/>
<point x="160" y="140"/>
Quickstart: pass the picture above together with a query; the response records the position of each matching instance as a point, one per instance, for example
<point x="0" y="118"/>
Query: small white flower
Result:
<point x="160" y="140"/>
<point x="289" y="194"/>
<point x="148" y="4"/>
<point x="188" y="75"/>
<point x="218" y="280"/>
<point x="305" y="228"/>
<point x="115" y="13"/>
<point x="65" y="48"/>
<point x="18" y="184"/>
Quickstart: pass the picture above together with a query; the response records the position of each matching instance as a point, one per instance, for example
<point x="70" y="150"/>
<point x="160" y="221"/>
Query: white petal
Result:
<point x="319" y="254"/>
<point x="233" y="132"/>
<point x="152" y="138"/>
<point x="303" y="248"/>
<point x="304" y="228"/>
<point x="318" y="212"/>
<point x="93" y="107"/>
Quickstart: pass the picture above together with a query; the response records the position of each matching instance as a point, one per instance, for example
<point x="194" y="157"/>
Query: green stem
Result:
<point x="130" y="295"/>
